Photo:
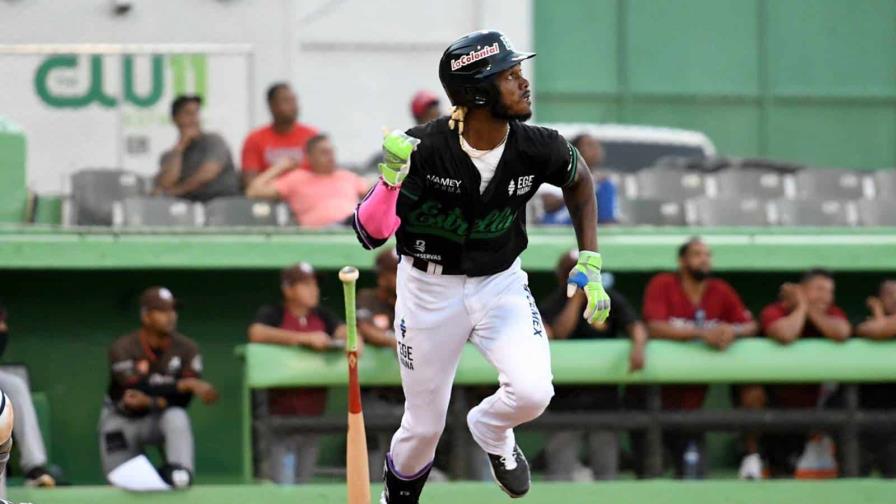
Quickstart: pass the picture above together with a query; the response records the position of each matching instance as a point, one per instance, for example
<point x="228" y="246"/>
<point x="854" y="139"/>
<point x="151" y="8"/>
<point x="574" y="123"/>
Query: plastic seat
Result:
<point x="163" y="212"/>
<point x="94" y="191"/>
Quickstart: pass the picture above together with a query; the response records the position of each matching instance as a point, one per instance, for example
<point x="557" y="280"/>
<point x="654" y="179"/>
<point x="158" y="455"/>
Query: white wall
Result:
<point x="355" y="63"/>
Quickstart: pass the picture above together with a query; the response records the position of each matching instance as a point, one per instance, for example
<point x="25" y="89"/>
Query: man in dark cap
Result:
<point x="299" y="321"/>
<point x="154" y="373"/>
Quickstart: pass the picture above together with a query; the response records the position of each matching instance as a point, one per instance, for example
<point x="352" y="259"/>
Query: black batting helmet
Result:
<point x="468" y="65"/>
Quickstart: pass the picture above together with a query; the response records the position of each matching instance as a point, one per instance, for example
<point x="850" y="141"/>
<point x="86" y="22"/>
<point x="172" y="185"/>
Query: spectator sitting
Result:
<point x="425" y="107"/>
<point x="804" y="310"/>
<point x="198" y="167"/>
<point x="555" y="211"/>
<point x="297" y="321"/>
<point x="27" y="435"/>
<point x="154" y="373"/>
<point x="284" y="139"/>
<point x="685" y="306"/>
<point x="563" y="320"/>
<point x="879" y="448"/>
<point x="324" y="196"/>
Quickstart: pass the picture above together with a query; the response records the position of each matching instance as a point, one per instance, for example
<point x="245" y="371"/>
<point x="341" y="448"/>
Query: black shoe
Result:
<point x="399" y="490"/>
<point x="39" y="477"/>
<point x="511" y="473"/>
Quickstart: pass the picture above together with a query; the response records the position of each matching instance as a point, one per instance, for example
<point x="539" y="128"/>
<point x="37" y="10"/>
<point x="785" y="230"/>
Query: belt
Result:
<point x="431" y="267"/>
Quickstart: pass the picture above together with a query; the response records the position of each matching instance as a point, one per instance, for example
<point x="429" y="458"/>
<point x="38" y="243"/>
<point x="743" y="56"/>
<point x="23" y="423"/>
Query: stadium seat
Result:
<point x="764" y="184"/>
<point x="146" y="211"/>
<point x="879" y="212"/>
<point x="833" y="184"/>
<point x="727" y="212"/>
<point x="814" y="212"/>
<point x="95" y="190"/>
<point x="239" y="211"/>
<point x="670" y="184"/>
<point x="651" y="211"/>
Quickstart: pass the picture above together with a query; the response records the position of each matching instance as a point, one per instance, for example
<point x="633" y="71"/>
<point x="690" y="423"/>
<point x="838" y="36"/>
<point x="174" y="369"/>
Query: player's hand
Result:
<point x="585" y="275"/>
<point x="876" y="306"/>
<point x="136" y="400"/>
<point x="719" y="337"/>
<point x="397" y="149"/>
<point x="205" y="391"/>
<point x="636" y="358"/>
<point x="317" y="340"/>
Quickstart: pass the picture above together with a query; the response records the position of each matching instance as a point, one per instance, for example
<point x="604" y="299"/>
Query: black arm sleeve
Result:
<point x="269" y="315"/>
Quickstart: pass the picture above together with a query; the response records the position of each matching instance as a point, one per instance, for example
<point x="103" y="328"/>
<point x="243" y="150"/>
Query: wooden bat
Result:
<point x="357" y="473"/>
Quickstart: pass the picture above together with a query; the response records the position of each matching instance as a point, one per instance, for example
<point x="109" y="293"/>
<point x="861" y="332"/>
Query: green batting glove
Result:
<point x="585" y="275"/>
<point x="397" y="149"/>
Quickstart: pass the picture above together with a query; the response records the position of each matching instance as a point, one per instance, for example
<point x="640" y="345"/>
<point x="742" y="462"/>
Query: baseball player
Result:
<point x="454" y="191"/>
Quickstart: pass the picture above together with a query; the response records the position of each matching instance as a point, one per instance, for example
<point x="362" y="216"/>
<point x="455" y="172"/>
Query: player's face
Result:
<point x="284" y="106"/>
<point x="306" y="293"/>
<point x="819" y="292"/>
<point x="514" y="99"/>
<point x="322" y="157"/>
<point x="888" y="297"/>
<point x="187" y="118"/>
<point x="697" y="261"/>
<point x="161" y="321"/>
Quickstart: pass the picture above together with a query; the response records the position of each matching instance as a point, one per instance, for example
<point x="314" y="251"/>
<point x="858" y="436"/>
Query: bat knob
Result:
<point x="348" y="274"/>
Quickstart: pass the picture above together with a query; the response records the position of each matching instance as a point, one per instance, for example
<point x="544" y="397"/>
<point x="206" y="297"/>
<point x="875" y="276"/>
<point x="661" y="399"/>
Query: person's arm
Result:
<point x="261" y="333"/>
<point x="638" y="334"/>
<point x="207" y="172"/>
<point x="878" y="328"/>
<point x="582" y="205"/>
<point x="375" y="336"/>
<point x="789" y="327"/>
<point x="831" y="327"/>
<point x="264" y="185"/>
<point x="172" y="162"/>
<point x="251" y="160"/>
<point x="661" y="329"/>
<point x="565" y="322"/>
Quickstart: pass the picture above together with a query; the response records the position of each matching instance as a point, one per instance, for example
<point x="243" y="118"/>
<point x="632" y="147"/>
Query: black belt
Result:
<point x="424" y="266"/>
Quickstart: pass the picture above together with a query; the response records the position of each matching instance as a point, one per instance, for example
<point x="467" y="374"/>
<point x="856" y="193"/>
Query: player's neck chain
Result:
<point x="476" y="153"/>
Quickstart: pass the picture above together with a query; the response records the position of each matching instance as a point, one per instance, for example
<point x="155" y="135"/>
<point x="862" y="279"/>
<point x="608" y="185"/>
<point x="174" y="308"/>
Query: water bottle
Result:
<point x="288" y="469"/>
<point x="691" y="462"/>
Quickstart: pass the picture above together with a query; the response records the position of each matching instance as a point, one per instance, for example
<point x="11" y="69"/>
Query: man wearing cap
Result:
<point x="198" y="167"/>
<point x="425" y="107"/>
<point x="298" y="321"/>
<point x="563" y="322"/>
<point x="154" y="373"/>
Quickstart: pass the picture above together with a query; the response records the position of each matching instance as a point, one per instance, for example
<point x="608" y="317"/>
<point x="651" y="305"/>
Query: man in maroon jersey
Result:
<point x="297" y="321"/>
<point x="689" y="305"/>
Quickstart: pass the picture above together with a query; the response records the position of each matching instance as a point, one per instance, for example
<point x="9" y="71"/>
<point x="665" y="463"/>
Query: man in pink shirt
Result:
<point x="284" y="138"/>
<point x="322" y="196"/>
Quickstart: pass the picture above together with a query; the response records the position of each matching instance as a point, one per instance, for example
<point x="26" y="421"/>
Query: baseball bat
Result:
<point x="357" y="473"/>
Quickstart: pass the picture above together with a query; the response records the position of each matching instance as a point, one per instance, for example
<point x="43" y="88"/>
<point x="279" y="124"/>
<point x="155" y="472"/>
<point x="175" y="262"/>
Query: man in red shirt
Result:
<point x="283" y="139"/>
<point x="804" y="310"/>
<point x="298" y="322"/>
<point x="690" y="305"/>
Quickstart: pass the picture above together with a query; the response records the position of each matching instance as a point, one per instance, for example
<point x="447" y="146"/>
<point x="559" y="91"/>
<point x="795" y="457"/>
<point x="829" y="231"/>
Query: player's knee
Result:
<point x="531" y="400"/>
<point x="175" y="418"/>
<point x="428" y="434"/>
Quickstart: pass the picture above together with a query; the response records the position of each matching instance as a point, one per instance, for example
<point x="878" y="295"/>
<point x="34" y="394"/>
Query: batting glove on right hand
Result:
<point x="397" y="149"/>
<point x="586" y="276"/>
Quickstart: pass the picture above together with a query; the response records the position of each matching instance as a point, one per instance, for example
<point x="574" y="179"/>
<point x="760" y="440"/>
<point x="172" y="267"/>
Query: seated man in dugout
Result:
<point x="297" y="321"/>
<point x="803" y="310"/>
<point x="154" y="372"/>
<point x="878" y="448"/>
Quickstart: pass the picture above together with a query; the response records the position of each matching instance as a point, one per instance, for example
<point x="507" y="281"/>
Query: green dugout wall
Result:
<point x="811" y="81"/>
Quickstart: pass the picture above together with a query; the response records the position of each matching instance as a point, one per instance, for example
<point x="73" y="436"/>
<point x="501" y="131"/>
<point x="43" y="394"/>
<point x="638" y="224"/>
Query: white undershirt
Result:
<point x="486" y="161"/>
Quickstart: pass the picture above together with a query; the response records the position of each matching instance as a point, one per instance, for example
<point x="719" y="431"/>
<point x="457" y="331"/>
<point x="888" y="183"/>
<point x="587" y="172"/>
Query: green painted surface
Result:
<point x="12" y="172"/>
<point x="624" y="249"/>
<point x="811" y="81"/>
<point x="575" y="362"/>
<point x="626" y="492"/>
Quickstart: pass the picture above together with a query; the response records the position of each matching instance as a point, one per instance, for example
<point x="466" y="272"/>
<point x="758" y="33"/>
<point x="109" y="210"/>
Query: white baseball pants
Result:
<point x="434" y="317"/>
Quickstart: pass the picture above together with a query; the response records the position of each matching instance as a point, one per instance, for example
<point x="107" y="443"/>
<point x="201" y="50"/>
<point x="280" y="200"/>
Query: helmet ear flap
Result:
<point x="480" y="95"/>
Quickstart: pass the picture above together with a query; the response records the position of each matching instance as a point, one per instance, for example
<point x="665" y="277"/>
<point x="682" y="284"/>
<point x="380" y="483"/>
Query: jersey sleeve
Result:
<point x="217" y="150"/>
<point x="563" y="163"/>
<point x="269" y="315"/>
<point x="123" y="367"/>
<point x="252" y="158"/>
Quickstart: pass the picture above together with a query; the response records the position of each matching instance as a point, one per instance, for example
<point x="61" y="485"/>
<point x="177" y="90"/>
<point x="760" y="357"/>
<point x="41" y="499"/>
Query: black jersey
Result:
<point x="444" y="218"/>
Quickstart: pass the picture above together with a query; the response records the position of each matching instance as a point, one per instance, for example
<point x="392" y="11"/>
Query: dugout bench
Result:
<point x="752" y="360"/>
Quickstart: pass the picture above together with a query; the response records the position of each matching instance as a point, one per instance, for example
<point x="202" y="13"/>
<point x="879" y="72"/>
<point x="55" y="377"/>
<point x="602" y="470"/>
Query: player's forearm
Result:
<point x="207" y="172"/>
<point x="833" y="328"/>
<point x="170" y="172"/>
<point x="878" y="328"/>
<point x="746" y="329"/>
<point x="658" y="329"/>
<point x="260" y="333"/>
<point x="376" y="336"/>
<point x="565" y="322"/>
<point x="582" y="206"/>
<point x="789" y="328"/>
<point x="638" y="334"/>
